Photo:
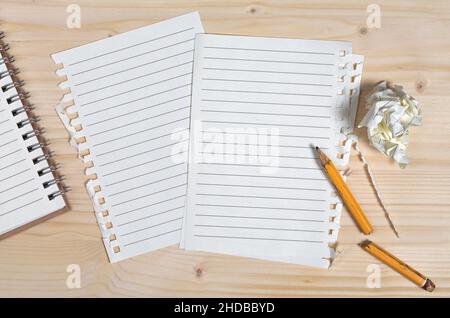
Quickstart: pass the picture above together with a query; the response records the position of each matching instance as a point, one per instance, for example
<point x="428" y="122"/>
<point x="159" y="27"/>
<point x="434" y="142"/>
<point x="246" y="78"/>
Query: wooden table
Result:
<point x="412" y="48"/>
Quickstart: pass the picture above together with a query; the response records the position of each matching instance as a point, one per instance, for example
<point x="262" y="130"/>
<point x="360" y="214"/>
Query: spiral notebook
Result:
<point x="127" y="107"/>
<point x="29" y="190"/>
<point x="259" y="106"/>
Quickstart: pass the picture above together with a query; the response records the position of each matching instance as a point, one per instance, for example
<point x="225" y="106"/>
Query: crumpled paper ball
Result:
<point x="391" y="113"/>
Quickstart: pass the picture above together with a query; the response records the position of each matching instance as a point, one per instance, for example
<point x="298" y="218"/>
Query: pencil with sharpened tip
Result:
<point x="344" y="192"/>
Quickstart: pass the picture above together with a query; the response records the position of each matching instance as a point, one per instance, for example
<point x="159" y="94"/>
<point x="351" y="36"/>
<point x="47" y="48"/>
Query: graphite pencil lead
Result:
<point x="322" y="157"/>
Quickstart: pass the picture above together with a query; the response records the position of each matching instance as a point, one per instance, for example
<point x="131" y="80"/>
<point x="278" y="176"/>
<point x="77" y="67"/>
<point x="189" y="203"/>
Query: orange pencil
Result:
<point x="345" y="194"/>
<point x="397" y="265"/>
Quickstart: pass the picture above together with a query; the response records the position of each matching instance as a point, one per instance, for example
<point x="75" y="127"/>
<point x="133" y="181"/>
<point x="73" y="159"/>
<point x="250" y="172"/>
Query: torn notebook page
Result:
<point x="259" y="105"/>
<point x="128" y="95"/>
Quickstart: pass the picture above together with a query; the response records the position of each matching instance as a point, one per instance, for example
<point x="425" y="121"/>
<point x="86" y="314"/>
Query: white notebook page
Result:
<point x="23" y="197"/>
<point x="131" y="93"/>
<point x="273" y="203"/>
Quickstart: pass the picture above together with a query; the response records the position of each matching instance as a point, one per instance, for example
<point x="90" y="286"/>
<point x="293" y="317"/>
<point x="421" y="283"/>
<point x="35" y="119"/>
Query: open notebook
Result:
<point x="126" y="96"/>
<point x="259" y="105"/>
<point x="28" y="189"/>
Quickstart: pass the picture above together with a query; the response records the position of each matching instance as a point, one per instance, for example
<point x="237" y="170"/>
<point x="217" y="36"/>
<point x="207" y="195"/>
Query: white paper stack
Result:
<point x="253" y="186"/>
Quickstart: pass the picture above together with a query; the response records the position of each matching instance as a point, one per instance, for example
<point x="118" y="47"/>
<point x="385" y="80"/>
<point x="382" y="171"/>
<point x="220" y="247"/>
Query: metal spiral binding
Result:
<point x="49" y="169"/>
<point x="29" y="121"/>
<point x="9" y="72"/>
<point x="23" y="109"/>
<point x="7" y="60"/>
<point x="17" y="100"/>
<point x="32" y="133"/>
<point x="61" y="192"/>
<point x="15" y="84"/>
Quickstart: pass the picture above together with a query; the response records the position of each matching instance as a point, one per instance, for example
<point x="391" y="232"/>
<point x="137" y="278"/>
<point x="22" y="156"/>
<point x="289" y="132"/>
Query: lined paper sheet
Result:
<point x="131" y="93"/>
<point x="23" y="198"/>
<point x="255" y="187"/>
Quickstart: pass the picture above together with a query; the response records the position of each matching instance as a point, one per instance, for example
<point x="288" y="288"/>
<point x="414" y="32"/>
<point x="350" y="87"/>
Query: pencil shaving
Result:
<point x="375" y="185"/>
<point x="391" y="113"/>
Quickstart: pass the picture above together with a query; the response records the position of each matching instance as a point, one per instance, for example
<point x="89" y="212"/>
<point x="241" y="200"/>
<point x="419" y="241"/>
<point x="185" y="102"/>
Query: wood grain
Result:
<point x="411" y="48"/>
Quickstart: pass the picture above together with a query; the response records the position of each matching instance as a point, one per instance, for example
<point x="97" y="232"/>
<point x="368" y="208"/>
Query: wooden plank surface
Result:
<point x="411" y="48"/>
